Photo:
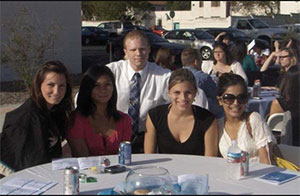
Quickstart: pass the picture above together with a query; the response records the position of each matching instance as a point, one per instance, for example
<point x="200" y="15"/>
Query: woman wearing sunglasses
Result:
<point x="236" y="124"/>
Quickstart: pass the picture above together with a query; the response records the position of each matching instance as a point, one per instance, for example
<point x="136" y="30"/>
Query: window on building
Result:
<point x="215" y="3"/>
<point x="201" y="4"/>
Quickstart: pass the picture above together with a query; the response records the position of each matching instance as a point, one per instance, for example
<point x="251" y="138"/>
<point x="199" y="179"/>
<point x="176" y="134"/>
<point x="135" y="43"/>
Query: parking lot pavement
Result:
<point x="94" y="55"/>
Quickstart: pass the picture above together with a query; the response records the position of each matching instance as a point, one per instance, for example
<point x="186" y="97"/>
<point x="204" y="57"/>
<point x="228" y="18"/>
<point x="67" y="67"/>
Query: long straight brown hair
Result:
<point x="65" y="107"/>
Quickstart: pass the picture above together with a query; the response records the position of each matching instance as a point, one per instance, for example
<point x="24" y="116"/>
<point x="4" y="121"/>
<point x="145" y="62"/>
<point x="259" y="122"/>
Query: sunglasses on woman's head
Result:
<point x="230" y="98"/>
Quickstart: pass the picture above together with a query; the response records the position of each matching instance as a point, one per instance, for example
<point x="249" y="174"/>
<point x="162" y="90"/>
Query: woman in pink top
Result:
<point x="97" y="127"/>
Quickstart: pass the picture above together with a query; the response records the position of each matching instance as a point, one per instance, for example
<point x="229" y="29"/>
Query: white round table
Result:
<point x="176" y="165"/>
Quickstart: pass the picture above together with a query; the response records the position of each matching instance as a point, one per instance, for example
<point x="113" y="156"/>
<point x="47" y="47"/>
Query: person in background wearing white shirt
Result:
<point x="249" y="129"/>
<point x="223" y="63"/>
<point x="153" y="82"/>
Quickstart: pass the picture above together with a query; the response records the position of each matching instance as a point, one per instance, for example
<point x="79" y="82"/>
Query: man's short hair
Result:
<point x="189" y="55"/>
<point x="135" y="34"/>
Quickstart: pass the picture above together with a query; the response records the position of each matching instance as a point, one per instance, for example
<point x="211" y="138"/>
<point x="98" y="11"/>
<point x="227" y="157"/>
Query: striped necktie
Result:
<point x="134" y="103"/>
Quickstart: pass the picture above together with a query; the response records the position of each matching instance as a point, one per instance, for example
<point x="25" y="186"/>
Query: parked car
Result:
<point x="195" y="38"/>
<point x="159" y="30"/>
<point x="142" y="28"/>
<point x="293" y="29"/>
<point x="256" y="28"/>
<point x="156" y="42"/>
<point x="234" y="34"/>
<point x="116" y="28"/>
<point x="93" y="35"/>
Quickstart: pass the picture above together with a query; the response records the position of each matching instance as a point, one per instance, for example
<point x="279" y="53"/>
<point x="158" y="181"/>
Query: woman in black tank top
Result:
<point x="180" y="127"/>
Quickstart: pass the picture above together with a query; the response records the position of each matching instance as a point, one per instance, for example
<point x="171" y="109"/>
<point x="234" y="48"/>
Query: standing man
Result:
<point x="141" y="85"/>
<point x="192" y="61"/>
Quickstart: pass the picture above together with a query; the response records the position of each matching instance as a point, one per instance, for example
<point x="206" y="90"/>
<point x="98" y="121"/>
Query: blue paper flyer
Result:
<point x="277" y="177"/>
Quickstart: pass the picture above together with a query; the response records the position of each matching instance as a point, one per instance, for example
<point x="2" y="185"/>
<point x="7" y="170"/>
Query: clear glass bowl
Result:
<point x="148" y="180"/>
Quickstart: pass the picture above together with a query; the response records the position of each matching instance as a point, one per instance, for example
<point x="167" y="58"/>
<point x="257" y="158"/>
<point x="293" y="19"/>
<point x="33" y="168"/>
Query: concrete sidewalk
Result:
<point x="4" y="109"/>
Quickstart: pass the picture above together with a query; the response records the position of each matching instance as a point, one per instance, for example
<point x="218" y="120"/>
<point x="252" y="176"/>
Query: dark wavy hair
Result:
<point x="230" y="79"/>
<point x="225" y="48"/>
<point x="62" y="110"/>
<point x="85" y="104"/>
<point x="289" y="88"/>
<point x="238" y="51"/>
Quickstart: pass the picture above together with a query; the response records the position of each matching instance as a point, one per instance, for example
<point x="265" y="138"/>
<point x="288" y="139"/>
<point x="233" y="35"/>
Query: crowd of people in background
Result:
<point x="197" y="109"/>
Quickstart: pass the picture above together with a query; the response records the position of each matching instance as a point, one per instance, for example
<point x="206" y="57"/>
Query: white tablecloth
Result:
<point x="177" y="165"/>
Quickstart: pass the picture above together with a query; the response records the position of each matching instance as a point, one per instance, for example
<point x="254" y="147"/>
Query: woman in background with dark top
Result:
<point x="165" y="58"/>
<point x="289" y="100"/>
<point x="224" y="38"/>
<point x="32" y="133"/>
<point x="239" y="53"/>
<point x="97" y="127"/>
<point x="180" y="127"/>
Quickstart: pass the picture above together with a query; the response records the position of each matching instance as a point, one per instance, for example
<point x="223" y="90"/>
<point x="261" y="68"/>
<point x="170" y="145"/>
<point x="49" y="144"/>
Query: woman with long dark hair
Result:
<point x="289" y="100"/>
<point x="239" y="53"/>
<point x="32" y="133"/>
<point x="223" y="63"/>
<point x="249" y="129"/>
<point x="97" y="127"/>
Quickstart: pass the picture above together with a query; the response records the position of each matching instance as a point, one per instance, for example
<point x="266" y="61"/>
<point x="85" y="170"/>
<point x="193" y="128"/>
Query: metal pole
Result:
<point x="172" y="25"/>
<point x="110" y="51"/>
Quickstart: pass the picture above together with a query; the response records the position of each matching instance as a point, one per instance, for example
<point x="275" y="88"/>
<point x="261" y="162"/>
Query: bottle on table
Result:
<point x="234" y="161"/>
<point x="256" y="89"/>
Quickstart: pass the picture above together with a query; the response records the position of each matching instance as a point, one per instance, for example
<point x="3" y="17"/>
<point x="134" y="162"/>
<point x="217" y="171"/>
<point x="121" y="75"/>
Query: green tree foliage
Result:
<point x="112" y="10"/>
<point x="104" y="10"/>
<point x="249" y="7"/>
<point x="138" y="11"/>
<point x="179" y="5"/>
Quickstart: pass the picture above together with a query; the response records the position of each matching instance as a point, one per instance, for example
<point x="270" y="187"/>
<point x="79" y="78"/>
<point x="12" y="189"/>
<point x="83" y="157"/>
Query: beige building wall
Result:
<point x="67" y="14"/>
<point x="208" y="16"/>
<point x="287" y="7"/>
<point x="197" y="17"/>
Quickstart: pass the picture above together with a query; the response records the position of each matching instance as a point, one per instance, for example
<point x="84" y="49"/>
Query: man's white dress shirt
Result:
<point x="153" y="89"/>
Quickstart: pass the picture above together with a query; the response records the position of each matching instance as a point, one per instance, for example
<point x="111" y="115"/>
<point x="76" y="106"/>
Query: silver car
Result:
<point x="194" y="38"/>
<point x="116" y="28"/>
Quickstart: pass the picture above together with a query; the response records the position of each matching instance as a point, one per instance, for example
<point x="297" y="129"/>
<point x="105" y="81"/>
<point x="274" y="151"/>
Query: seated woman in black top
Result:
<point x="180" y="127"/>
<point x="32" y="133"/>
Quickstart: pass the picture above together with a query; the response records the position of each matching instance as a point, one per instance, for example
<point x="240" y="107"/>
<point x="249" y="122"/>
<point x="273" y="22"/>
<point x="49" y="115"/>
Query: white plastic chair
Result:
<point x="290" y="153"/>
<point x="275" y="121"/>
<point x="282" y="123"/>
